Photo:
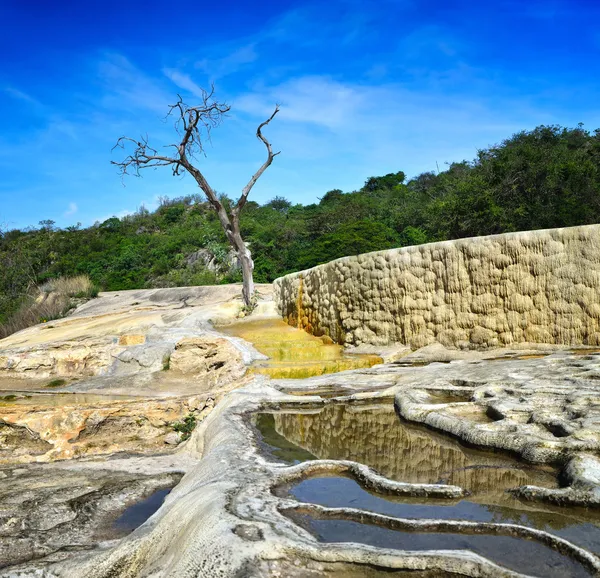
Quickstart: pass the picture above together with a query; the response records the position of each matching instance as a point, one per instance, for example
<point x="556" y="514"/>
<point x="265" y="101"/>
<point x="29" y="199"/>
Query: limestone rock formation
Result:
<point x="93" y="419"/>
<point x="120" y="333"/>
<point x="227" y="516"/>
<point x="207" y="356"/>
<point x="226" y="519"/>
<point x="44" y="510"/>
<point x="374" y="435"/>
<point x="535" y="286"/>
<point x="44" y="428"/>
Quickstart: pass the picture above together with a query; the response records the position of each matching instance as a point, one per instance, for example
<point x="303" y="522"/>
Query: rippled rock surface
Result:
<point x="47" y="510"/>
<point x="368" y="472"/>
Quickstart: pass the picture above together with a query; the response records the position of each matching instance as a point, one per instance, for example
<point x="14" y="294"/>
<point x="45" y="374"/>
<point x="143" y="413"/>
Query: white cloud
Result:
<point x="219" y="67"/>
<point x="332" y="132"/>
<point x="312" y="99"/>
<point x="59" y="126"/>
<point x="127" y="87"/>
<point x="350" y="130"/>
<point x="183" y="81"/>
<point x="71" y="210"/>
<point x="20" y="95"/>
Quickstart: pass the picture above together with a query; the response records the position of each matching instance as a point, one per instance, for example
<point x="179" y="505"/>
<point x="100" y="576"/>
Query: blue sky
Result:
<point x="365" y="88"/>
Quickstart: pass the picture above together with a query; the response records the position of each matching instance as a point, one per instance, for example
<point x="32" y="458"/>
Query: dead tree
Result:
<point x="193" y="125"/>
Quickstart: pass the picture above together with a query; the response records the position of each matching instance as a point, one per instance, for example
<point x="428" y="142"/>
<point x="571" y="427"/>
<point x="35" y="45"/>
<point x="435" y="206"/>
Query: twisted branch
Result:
<point x="193" y="124"/>
<point x="270" y="156"/>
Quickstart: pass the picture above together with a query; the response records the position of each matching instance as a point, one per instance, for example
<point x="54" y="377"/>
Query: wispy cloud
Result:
<point x="71" y="210"/>
<point x="346" y="107"/>
<point x="373" y="128"/>
<point x="20" y="95"/>
<point x="311" y="99"/>
<point x="365" y="88"/>
<point x="220" y="67"/>
<point x="127" y="87"/>
<point x="183" y="81"/>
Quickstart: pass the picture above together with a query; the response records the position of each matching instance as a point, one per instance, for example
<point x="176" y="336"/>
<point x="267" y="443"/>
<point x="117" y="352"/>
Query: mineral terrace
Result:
<point x="438" y="460"/>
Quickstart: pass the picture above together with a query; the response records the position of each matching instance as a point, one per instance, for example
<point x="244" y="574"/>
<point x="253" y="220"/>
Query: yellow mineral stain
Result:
<point x="584" y="351"/>
<point x="132" y="339"/>
<point x="293" y="353"/>
<point x="52" y="400"/>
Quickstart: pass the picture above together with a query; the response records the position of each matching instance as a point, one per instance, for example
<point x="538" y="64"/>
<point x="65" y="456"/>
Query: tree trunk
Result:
<point x="190" y="124"/>
<point x="247" y="269"/>
<point x="244" y="256"/>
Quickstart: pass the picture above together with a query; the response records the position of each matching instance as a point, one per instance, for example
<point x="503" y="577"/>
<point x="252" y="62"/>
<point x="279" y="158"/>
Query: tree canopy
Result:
<point x="547" y="177"/>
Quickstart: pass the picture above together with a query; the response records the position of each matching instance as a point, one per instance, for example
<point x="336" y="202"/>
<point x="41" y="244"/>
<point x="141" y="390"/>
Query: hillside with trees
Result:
<point x="547" y="177"/>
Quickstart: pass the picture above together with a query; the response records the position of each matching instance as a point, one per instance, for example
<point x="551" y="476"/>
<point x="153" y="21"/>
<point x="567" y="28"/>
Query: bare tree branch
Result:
<point x="270" y="156"/>
<point x="143" y="157"/>
<point x="189" y="124"/>
<point x="193" y="125"/>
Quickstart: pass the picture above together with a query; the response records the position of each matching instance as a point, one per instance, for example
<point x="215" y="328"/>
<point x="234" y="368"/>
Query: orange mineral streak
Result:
<point x="294" y="353"/>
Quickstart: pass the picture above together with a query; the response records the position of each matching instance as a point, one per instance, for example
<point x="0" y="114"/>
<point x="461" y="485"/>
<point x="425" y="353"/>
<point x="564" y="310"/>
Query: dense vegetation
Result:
<point x="548" y="177"/>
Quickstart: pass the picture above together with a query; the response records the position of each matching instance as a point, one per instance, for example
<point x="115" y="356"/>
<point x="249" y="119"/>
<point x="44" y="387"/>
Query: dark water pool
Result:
<point x="578" y="526"/>
<point x="136" y="514"/>
<point x="375" y="436"/>
<point x="521" y="555"/>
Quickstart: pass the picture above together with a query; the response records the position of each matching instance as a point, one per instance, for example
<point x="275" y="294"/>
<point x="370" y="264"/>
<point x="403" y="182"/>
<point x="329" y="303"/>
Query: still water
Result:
<point x="375" y="436"/>
<point x="294" y="353"/>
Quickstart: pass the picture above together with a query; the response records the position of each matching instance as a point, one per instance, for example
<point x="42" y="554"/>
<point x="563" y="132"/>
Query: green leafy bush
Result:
<point x="56" y="383"/>
<point x="547" y="177"/>
<point x="185" y="427"/>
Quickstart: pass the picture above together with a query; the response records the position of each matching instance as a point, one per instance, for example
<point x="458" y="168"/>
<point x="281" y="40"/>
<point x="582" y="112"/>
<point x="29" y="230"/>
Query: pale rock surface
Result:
<point x="173" y="439"/>
<point x="44" y="428"/>
<point x="122" y="333"/>
<point x="46" y="509"/>
<point x="223" y="518"/>
<point x="212" y="356"/>
<point x="483" y="292"/>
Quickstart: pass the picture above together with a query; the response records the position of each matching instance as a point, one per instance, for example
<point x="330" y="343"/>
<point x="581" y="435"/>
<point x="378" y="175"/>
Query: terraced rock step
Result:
<point x="304" y="478"/>
<point x="579" y="526"/>
<point x="372" y="434"/>
<point x="525" y="556"/>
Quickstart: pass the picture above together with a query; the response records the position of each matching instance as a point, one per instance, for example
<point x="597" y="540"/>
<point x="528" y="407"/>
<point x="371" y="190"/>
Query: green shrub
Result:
<point x="543" y="178"/>
<point x="56" y="383"/>
<point x="185" y="427"/>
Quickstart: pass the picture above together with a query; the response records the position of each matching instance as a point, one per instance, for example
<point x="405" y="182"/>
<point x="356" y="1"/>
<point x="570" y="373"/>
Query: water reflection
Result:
<point x="375" y="436"/>
<point x="530" y="557"/>
<point x="576" y="525"/>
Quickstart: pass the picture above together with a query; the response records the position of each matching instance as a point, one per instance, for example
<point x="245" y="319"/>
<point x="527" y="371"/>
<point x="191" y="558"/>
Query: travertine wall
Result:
<point x="534" y="286"/>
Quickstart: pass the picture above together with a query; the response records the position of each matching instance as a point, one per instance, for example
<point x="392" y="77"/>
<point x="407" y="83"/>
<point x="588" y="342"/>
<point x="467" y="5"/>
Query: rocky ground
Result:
<point x="223" y="518"/>
<point x="118" y="334"/>
<point x="116" y="374"/>
<point x="91" y="409"/>
<point x="51" y="510"/>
